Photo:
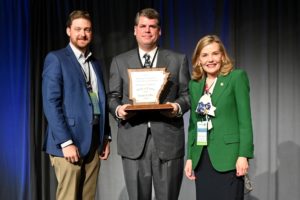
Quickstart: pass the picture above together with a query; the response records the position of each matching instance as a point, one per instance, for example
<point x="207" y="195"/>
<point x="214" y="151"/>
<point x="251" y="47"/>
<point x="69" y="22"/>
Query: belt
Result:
<point x="96" y="119"/>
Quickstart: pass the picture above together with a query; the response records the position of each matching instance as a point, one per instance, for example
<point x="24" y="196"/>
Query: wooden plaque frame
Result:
<point x="145" y="87"/>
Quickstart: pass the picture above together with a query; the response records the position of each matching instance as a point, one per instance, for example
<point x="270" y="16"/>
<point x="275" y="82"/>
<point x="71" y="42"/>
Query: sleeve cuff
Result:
<point x="116" y="112"/>
<point x="179" y="113"/>
<point x="67" y="143"/>
<point x="108" y="137"/>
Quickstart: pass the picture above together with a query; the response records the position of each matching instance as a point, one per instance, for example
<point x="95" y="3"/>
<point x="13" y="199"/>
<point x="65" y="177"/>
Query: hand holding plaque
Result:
<point x="145" y="87"/>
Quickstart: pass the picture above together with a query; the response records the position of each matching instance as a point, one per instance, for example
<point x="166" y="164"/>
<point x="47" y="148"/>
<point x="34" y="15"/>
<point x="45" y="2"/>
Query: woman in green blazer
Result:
<point x="220" y="139"/>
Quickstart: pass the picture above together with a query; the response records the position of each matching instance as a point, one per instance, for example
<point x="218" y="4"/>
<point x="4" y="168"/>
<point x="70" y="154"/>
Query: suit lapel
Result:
<point x="134" y="61"/>
<point x="221" y="84"/>
<point x="162" y="59"/>
<point x="198" y="87"/>
<point x="75" y="63"/>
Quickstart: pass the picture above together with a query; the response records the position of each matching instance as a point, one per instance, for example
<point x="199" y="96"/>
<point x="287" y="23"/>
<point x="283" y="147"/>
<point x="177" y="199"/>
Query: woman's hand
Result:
<point x="242" y="166"/>
<point x="189" y="170"/>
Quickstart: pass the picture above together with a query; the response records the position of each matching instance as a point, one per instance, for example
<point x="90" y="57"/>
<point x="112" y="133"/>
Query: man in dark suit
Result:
<point x="75" y="107"/>
<point x="151" y="143"/>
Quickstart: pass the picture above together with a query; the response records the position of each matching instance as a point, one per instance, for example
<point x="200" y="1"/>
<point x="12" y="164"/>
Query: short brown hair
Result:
<point x="198" y="72"/>
<point x="149" y="13"/>
<point x="76" y="14"/>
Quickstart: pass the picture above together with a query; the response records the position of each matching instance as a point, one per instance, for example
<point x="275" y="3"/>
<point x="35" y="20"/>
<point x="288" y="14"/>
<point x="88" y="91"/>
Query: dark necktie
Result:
<point x="147" y="63"/>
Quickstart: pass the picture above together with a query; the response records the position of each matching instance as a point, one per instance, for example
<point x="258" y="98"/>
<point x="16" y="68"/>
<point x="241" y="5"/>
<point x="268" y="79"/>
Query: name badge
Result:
<point x="202" y="133"/>
<point x="95" y="103"/>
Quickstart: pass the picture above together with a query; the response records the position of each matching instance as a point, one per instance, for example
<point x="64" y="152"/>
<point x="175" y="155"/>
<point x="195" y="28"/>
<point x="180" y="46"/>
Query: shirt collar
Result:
<point x="151" y="53"/>
<point x="78" y="53"/>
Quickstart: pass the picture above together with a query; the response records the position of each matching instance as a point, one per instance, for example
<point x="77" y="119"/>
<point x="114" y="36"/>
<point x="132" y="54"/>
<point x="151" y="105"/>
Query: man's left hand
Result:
<point x="106" y="151"/>
<point x="171" y="113"/>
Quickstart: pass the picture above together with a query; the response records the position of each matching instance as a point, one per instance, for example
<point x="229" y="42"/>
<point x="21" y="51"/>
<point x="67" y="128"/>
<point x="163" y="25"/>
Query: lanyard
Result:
<point x="88" y="77"/>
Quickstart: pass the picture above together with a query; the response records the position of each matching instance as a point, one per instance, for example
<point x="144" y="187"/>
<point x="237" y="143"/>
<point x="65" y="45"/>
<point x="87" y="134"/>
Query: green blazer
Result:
<point x="231" y="135"/>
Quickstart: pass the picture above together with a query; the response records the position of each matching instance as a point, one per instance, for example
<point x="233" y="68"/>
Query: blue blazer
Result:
<point x="67" y="104"/>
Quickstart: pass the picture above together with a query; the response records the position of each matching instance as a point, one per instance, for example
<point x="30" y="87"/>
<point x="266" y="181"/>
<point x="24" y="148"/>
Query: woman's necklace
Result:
<point x="208" y="84"/>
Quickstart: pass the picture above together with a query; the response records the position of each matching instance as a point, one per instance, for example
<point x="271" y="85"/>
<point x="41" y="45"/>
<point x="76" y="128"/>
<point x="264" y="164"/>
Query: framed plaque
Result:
<point x="145" y="87"/>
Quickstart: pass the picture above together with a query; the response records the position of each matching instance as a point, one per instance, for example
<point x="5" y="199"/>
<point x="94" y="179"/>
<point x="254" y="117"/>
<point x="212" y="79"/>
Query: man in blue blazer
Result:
<point x="75" y="107"/>
<point x="151" y="143"/>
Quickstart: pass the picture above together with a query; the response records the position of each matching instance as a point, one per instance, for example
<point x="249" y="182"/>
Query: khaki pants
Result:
<point x="76" y="181"/>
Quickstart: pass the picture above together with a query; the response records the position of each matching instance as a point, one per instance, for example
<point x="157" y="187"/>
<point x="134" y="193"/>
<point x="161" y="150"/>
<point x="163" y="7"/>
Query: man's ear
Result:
<point x="68" y="31"/>
<point x="134" y="33"/>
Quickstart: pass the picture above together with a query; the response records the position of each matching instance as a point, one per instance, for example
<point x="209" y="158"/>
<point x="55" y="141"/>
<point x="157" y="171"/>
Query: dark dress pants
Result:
<point x="139" y="173"/>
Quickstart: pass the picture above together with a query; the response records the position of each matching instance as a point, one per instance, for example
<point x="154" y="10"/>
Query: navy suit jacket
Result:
<point x="67" y="104"/>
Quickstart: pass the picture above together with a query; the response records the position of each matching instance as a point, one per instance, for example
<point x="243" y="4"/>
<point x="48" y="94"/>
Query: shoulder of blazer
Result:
<point x="237" y="72"/>
<point x="167" y="52"/>
<point x="127" y="54"/>
<point x="196" y="84"/>
<point x="127" y="60"/>
<point x="224" y="81"/>
<point x="238" y="75"/>
<point x="67" y="51"/>
<point x="196" y="88"/>
<point x="165" y="57"/>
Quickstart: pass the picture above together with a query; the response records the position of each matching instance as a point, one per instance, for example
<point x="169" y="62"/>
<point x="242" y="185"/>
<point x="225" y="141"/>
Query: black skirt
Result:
<point x="214" y="185"/>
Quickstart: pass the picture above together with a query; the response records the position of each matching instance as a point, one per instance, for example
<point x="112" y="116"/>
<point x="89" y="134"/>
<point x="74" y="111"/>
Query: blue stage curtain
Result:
<point x="261" y="36"/>
<point x="14" y="106"/>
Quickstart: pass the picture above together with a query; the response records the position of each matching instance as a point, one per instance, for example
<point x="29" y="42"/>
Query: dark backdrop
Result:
<point x="261" y="35"/>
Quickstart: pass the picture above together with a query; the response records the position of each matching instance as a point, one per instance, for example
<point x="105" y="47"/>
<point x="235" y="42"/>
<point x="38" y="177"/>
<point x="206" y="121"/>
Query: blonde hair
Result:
<point x="198" y="72"/>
